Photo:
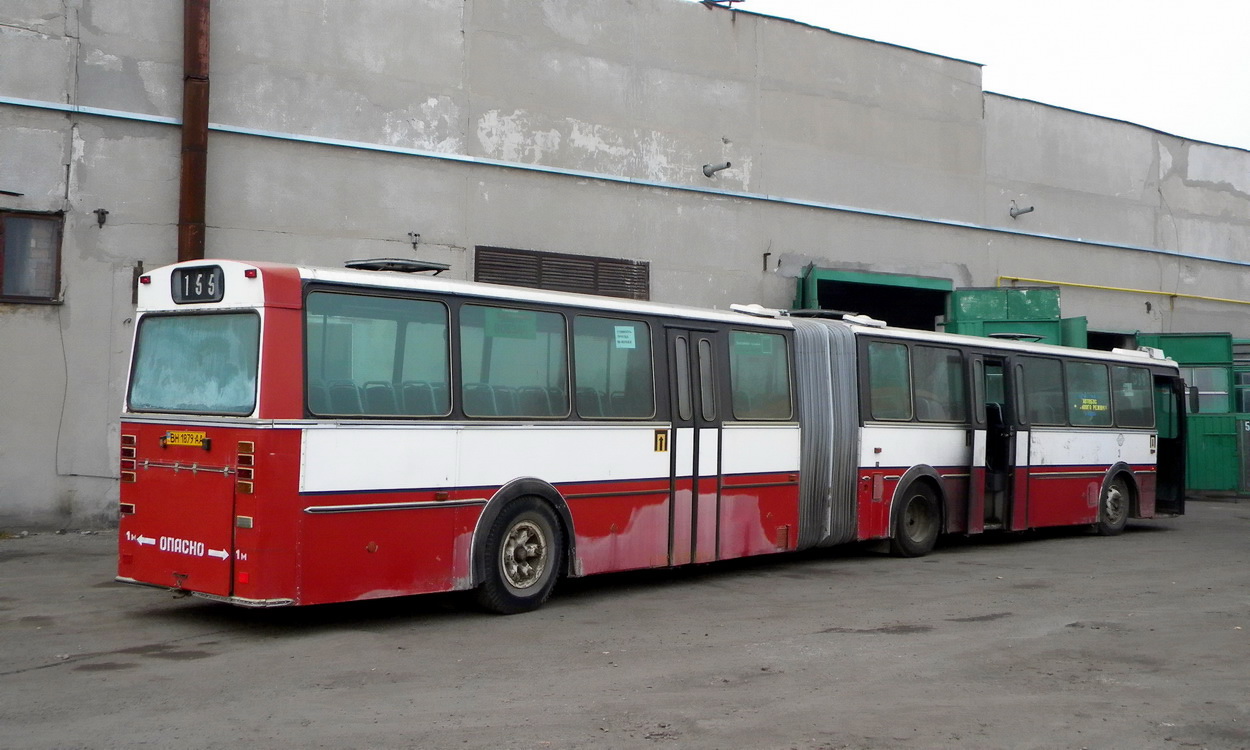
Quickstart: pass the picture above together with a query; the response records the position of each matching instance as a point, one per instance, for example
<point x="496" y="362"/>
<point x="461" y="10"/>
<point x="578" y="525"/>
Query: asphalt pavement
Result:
<point x="1047" y="640"/>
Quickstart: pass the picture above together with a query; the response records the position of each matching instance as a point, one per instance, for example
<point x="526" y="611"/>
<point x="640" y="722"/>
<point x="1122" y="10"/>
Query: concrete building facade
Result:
<point x="344" y="130"/>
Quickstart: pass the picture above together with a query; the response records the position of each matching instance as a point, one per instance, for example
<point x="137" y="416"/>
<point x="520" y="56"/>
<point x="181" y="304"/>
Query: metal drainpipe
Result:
<point x="191" y="196"/>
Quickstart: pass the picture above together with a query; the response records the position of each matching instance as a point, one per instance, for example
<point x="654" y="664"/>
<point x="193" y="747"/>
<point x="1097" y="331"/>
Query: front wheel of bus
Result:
<point x="917" y="523"/>
<point x="523" y="554"/>
<point x="1113" y="509"/>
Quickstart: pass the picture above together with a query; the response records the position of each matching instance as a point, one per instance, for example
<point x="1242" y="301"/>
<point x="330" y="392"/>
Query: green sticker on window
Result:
<point x="625" y="337"/>
<point x="511" y="324"/>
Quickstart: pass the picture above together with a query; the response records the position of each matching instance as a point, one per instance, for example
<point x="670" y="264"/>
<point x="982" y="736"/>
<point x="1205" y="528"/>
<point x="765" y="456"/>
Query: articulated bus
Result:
<point x="297" y="436"/>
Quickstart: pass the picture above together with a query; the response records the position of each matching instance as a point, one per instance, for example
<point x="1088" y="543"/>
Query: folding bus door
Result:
<point x="997" y="496"/>
<point x="1170" y="443"/>
<point x="695" y="448"/>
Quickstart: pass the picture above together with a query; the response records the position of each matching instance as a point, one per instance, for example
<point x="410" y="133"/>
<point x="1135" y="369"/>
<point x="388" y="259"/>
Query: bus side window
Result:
<point x="1134" y="405"/>
<point x="889" y="381"/>
<point x="759" y="375"/>
<point x="1089" y="394"/>
<point x="939" y="379"/>
<point x="1043" y="391"/>
<point x="507" y="351"/>
<point x="363" y="353"/>
<point x="613" y="368"/>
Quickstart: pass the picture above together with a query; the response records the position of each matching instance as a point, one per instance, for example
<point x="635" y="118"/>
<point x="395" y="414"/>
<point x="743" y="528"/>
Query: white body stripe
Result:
<point x="760" y="449"/>
<point x="709" y="451"/>
<point x="397" y="457"/>
<point x="908" y="445"/>
<point x="1062" y="447"/>
<point x="347" y="459"/>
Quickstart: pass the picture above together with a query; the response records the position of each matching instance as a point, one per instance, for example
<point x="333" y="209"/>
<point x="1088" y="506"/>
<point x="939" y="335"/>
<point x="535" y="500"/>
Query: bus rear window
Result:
<point x="196" y="364"/>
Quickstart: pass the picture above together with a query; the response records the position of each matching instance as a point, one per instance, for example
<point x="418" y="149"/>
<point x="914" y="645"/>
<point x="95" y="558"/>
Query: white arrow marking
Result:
<point x="145" y="540"/>
<point x="220" y="554"/>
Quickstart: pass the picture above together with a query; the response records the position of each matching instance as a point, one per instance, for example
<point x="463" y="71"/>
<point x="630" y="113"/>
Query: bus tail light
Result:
<point x="245" y="462"/>
<point x="128" y="464"/>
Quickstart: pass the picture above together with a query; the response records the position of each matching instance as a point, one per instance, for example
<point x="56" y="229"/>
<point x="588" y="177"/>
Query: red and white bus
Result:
<point x="298" y="435"/>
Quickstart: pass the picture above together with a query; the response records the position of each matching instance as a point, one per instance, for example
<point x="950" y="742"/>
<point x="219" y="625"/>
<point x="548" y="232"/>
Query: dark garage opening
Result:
<point x="906" y="307"/>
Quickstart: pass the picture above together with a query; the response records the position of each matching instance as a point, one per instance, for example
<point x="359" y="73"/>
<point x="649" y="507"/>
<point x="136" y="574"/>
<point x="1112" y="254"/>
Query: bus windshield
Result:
<point x="204" y="364"/>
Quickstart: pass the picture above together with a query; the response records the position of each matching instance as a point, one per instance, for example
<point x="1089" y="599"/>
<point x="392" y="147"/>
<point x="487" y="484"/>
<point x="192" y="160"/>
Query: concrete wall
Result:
<point x="563" y="125"/>
<point x="1112" y="182"/>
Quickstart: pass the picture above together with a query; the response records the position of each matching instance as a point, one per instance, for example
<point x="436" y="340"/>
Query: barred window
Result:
<point x="30" y="256"/>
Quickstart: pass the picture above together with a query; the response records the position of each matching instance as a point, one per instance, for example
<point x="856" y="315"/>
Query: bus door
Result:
<point x="1170" y="442"/>
<point x="994" y="499"/>
<point x="695" y="450"/>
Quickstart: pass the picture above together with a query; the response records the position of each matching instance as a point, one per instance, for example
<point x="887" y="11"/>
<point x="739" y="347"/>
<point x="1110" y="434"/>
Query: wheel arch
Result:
<point x="928" y="475"/>
<point x="1122" y="469"/>
<point x="513" y="490"/>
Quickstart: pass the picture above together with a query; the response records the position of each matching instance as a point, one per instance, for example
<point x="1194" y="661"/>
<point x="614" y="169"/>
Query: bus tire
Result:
<point x="523" y="550"/>
<point x="917" y="522"/>
<point x="1113" y="508"/>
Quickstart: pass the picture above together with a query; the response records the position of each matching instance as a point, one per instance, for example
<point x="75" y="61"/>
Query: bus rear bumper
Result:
<point x="238" y="601"/>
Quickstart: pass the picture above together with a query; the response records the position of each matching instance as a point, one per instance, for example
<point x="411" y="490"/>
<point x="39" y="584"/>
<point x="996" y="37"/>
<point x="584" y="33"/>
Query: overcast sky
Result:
<point x="1180" y="66"/>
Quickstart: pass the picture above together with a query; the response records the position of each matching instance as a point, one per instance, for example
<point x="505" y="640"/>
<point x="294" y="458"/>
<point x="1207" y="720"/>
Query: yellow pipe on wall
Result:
<point x="1001" y="279"/>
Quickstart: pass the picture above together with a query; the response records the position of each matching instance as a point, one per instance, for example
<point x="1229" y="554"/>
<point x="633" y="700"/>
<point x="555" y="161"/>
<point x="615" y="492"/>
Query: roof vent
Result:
<point x="758" y="311"/>
<point x="402" y="265"/>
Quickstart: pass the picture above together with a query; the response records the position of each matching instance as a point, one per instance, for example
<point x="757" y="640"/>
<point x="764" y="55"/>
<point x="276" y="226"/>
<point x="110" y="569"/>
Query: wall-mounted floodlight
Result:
<point x="711" y="169"/>
<point x="1016" y="210"/>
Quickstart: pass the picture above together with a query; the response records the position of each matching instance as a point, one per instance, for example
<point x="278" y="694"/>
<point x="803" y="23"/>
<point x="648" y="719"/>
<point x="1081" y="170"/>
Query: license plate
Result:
<point x="193" y="439"/>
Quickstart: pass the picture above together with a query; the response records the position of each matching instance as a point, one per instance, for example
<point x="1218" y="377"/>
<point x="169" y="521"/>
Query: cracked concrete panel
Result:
<point x="1218" y="239"/>
<point x="34" y="386"/>
<point x="32" y="159"/>
<point x="130" y="169"/>
<point x="45" y="17"/>
<point x="837" y="126"/>
<point x="849" y="177"/>
<point x="676" y="101"/>
<point x="131" y="57"/>
<point x="1205" y="180"/>
<point x="329" y="195"/>
<point x="1030" y="142"/>
<point x="34" y="65"/>
<point x="818" y="62"/>
<point x="712" y="43"/>
<point x="401" y="40"/>
<point x="512" y="73"/>
<point x="320" y="105"/>
<point x="1219" y="168"/>
<point x="517" y="136"/>
<point x="532" y="138"/>
<point x="380" y="72"/>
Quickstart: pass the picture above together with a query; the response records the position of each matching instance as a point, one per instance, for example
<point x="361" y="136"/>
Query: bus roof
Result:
<point x="397" y="280"/>
<point x="749" y="315"/>
<point x="1138" y="356"/>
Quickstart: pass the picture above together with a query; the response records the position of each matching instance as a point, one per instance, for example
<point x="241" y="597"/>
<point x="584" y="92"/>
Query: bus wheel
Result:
<point x="917" y="523"/>
<point x="523" y="554"/>
<point x="1113" y="509"/>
